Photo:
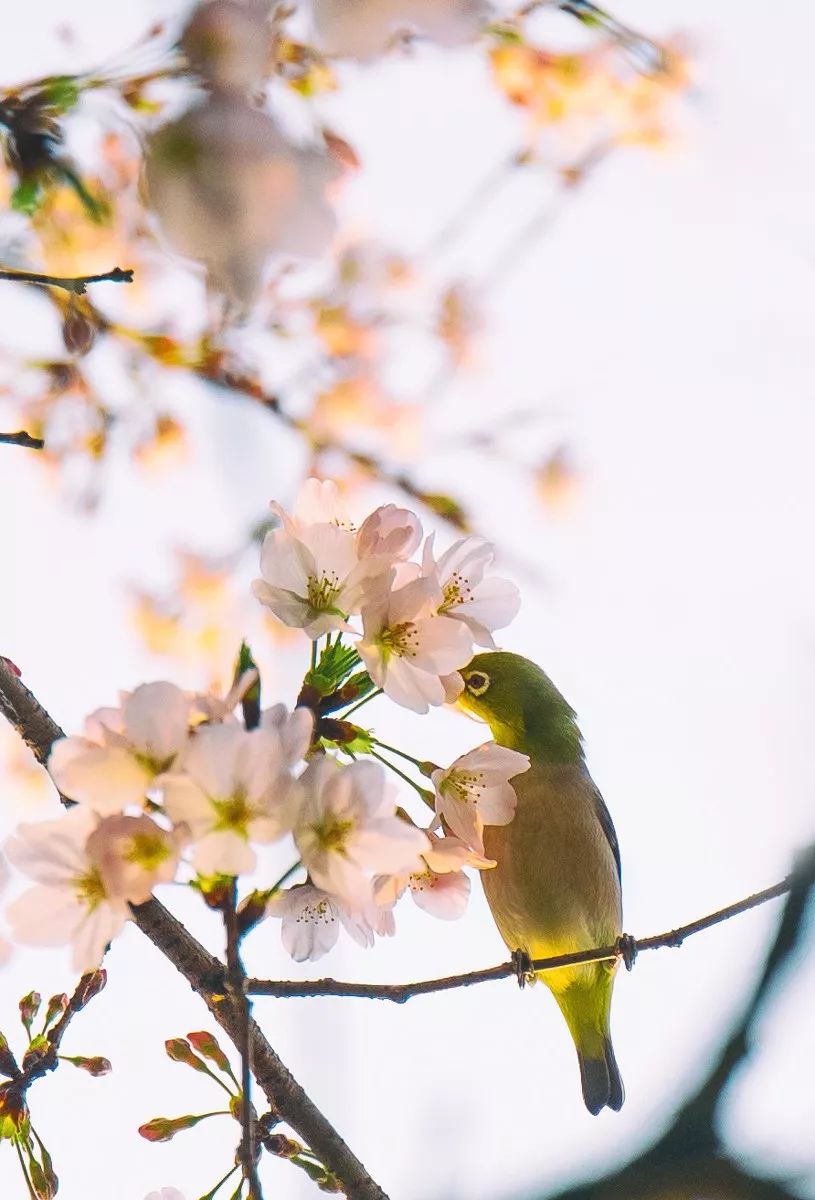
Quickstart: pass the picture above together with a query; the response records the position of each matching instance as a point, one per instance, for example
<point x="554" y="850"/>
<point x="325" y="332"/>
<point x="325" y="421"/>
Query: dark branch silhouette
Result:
<point x="400" y="992"/>
<point x="21" y="438"/>
<point x="76" y="284"/>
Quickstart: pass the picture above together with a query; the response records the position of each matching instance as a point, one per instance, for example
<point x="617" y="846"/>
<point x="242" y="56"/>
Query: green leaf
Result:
<point x="27" y="196"/>
<point x="62" y="92"/>
<point x="336" y="663"/>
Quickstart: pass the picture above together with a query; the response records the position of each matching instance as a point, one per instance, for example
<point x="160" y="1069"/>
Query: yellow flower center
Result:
<point x="147" y="850"/>
<point x="234" y="814"/>
<point x="332" y="833"/>
<point x="401" y="640"/>
<point x="465" y="786"/>
<point x="323" y="592"/>
<point x="457" y="591"/>
<point x="89" y="888"/>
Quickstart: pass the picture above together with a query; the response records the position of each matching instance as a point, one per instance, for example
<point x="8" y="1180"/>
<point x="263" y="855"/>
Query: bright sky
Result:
<point x="666" y="323"/>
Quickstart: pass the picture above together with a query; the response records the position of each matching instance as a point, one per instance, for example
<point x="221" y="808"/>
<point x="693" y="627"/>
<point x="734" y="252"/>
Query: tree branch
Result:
<point x="76" y="284"/>
<point x="206" y="976"/>
<point x="236" y="979"/>
<point x="400" y="992"/>
<point x="21" y="438"/>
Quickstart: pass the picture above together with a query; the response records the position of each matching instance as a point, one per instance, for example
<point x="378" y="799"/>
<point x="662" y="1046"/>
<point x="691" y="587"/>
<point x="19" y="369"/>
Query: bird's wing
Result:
<point x="604" y="817"/>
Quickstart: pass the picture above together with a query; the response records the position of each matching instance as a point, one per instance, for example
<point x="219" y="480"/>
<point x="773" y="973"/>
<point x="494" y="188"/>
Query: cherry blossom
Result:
<point x="69" y="902"/>
<point x="312" y="920"/>
<point x="346" y="828"/>
<point x="441" y="888"/>
<point x="123" y="750"/>
<point x="407" y="647"/>
<point x="133" y="854"/>
<point x="483" y="605"/>
<point x="231" y="788"/>
<point x="475" y="791"/>
<point x="364" y="29"/>
<point x="229" y="189"/>
<point x="389" y="532"/>
<point x="312" y="580"/>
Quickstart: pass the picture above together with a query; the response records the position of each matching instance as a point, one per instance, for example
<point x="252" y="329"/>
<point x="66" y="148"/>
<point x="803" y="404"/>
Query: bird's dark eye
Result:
<point x="477" y="682"/>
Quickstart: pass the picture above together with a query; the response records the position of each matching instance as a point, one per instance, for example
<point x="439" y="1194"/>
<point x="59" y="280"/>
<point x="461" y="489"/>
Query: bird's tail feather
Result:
<point x="600" y="1079"/>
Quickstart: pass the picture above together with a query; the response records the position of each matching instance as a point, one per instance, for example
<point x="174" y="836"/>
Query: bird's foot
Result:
<point x="523" y="968"/>
<point x="626" y="947"/>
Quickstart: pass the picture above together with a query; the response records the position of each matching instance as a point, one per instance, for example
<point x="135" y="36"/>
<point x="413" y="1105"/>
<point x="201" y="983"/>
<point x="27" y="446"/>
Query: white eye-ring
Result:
<point x="477" y="682"/>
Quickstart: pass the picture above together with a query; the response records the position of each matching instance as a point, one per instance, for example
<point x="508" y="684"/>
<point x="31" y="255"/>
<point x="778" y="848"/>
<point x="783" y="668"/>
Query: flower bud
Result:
<point x="78" y="327"/>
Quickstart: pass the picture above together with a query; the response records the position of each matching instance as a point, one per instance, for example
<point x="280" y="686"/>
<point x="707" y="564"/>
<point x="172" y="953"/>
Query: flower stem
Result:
<point x="24" y="1170"/>
<point x="371" y="696"/>
<point x="314" y="654"/>
<point x="423" y="792"/>
<point x="419" y="764"/>
<point x="283" y="878"/>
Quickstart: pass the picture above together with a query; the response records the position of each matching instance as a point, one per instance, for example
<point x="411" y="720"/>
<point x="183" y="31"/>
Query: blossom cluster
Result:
<point x="419" y="622"/>
<point x="174" y="786"/>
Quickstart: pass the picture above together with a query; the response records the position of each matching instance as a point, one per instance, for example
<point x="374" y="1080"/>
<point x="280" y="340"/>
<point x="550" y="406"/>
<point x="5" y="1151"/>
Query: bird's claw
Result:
<point x="523" y="968"/>
<point x="626" y="947"/>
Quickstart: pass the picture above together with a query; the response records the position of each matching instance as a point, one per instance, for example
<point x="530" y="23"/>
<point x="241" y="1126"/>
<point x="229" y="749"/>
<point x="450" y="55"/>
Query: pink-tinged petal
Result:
<point x="453" y="687"/>
<point x="104" y="722"/>
<point x="494" y="605"/>
<point x="444" y="645"/>
<point x="443" y="896"/>
<point x="294" y="729"/>
<point x="497" y="763"/>
<point x="412" y="600"/>
<point x="461" y="815"/>
<point x="258" y="764"/>
<point x="388" y="889"/>
<point x="410" y="687"/>
<point x="185" y="802"/>
<point x="390" y="845"/>
<point x="451" y="854"/>
<point x="496" y="805"/>
<point x="157" y="718"/>
<point x="212" y="758"/>
<point x="286" y="563"/>
<point x="45" y="916"/>
<point x="99" y="928"/>
<point x="287" y="606"/>
<point x="342" y="879"/>
<point x="223" y="853"/>
<point x="105" y="778"/>
<point x="53" y="852"/>
<point x="333" y="551"/>
<point x="318" y="503"/>
<point x="389" y="532"/>
<point x="310" y="921"/>
<point x="469" y="558"/>
<point x="133" y="854"/>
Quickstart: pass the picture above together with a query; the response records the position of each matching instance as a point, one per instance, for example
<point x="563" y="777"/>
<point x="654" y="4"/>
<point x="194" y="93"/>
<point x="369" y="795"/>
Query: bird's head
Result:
<point x="521" y="705"/>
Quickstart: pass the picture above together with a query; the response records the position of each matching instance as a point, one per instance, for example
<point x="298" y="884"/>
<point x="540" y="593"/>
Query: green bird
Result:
<point x="556" y="887"/>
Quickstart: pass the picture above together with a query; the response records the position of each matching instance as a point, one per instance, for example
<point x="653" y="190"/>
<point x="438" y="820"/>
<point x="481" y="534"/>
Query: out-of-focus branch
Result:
<point x="207" y="977"/>
<point x="236" y="979"/>
<point x="21" y="438"/>
<point x="627" y="947"/>
<point x="688" y="1160"/>
<point x="76" y="284"/>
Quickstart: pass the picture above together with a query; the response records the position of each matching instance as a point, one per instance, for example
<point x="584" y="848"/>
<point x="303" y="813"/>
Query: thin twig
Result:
<point x="236" y="978"/>
<point x="76" y="284"/>
<point x="21" y="438"/>
<point x="400" y="992"/>
<point x="205" y="974"/>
